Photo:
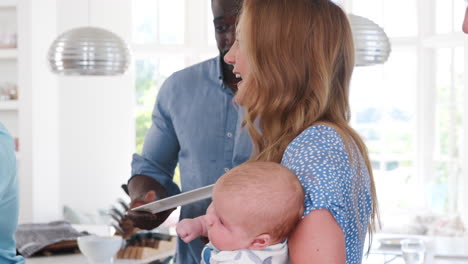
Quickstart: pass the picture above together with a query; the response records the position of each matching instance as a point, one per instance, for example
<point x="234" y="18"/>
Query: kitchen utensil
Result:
<point x="177" y="200"/>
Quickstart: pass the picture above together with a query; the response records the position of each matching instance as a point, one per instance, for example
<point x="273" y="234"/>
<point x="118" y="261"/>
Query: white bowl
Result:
<point x="99" y="249"/>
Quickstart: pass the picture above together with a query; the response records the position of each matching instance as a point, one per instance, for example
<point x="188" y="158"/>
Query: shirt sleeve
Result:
<point x="161" y="147"/>
<point x="319" y="160"/>
<point x="7" y="163"/>
<point x="9" y="205"/>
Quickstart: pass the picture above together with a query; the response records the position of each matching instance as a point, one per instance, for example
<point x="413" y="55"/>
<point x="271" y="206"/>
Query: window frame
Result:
<point x="426" y="42"/>
<point x="195" y="41"/>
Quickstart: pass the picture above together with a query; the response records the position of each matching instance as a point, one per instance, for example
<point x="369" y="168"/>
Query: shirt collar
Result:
<point x="220" y="74"/>
<point x="219" y="67"/>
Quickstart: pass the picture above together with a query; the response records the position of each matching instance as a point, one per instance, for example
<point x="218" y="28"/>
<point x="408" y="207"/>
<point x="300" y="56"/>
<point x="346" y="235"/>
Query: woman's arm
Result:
<point x="317" y="239"/>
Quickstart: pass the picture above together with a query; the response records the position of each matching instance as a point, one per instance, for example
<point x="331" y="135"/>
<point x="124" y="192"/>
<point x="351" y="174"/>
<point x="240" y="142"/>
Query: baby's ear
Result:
<point x="260" y="242"/>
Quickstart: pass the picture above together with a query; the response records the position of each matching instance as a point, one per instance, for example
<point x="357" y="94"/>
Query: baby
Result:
<point x="255" y="207"/>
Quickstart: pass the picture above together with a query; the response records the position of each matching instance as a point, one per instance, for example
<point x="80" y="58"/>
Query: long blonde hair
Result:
<point x="301" y="59"/>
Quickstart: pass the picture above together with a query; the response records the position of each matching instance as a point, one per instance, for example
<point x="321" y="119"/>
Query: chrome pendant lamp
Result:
<point x="89" y="51"/>
<point x="371" y="44"/>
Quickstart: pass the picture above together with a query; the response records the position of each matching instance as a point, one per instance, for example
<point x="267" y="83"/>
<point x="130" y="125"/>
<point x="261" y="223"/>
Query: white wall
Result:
<point x="38" y="113"/>
<point x="96" y="116"/>
<point x="77" y="133"/>
<point x="464" y="187"/>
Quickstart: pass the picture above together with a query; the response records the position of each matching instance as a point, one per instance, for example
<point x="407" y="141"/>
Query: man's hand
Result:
<point x="142" y="199"/>
<point x="148" y="221"/>
<point x="189" y="229"/>
<point x="142" y="190"/>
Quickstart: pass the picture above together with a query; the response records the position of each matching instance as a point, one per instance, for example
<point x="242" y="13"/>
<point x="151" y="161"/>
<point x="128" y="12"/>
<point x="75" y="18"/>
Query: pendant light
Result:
<point x="89" y="51"/>
<point x="371" y="44"/>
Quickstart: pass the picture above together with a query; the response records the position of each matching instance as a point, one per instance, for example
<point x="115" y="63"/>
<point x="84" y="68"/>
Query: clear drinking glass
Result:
<point x="413" y="250"/>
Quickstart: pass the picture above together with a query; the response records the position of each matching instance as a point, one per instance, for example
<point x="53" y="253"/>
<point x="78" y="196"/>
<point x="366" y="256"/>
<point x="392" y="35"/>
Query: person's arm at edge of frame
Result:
<point x="153" y="171"/>
<point x="9" y="200"/>
<point x="317" y="239"/>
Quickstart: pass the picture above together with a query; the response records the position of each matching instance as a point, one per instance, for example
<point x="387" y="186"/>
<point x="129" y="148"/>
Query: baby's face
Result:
<point x="225" y="229"/>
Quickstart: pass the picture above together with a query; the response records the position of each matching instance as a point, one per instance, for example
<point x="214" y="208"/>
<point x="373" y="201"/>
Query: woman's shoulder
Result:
<point x="316" y="140"/>
<point x="320" y="134"/>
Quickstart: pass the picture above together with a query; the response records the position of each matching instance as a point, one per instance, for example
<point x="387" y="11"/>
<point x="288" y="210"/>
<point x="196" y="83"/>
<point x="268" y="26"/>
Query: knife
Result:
<point x="177" y="200"/>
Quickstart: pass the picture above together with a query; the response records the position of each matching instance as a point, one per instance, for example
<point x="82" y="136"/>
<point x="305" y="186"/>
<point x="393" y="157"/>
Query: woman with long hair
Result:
<point x="296" y="58"/>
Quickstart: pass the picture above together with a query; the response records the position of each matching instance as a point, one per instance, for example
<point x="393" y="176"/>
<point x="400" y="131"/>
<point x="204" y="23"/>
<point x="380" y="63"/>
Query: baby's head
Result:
<point x="255" y="205"/>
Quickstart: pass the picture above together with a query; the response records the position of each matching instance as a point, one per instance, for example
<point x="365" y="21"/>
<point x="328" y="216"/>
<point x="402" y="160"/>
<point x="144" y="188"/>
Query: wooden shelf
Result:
<point x="8" y="3"/>
<point x="9" y="105"/>
<point x="8" y="53"/>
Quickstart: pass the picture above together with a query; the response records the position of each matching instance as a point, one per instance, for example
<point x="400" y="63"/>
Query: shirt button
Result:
<point x="226" y="169"/>
<point x="229" y="134"/>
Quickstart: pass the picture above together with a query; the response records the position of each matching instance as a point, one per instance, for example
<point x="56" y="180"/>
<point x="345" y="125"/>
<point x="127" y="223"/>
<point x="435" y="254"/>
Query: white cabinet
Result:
<point x="8" y="54"/>
<point x="8" y="66"/>
<point x="8" y="3"/>
<point x="27" y="28"/>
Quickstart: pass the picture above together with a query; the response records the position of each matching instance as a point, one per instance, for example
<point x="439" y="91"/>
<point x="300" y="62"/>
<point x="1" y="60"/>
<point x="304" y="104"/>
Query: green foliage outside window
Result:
<point x="147" y="85"/>
<point x="148" y="82"/>
<point x="143" y="123"/>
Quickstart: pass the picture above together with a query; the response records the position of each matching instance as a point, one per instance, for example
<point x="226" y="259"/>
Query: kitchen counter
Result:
<point x="439" y="250"/>
<point x="166" y="249"/>
<point x="81" y="259"/>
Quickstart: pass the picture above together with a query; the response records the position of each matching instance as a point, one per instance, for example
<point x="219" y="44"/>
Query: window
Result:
<point x="384" y="112"/>
<point x="410" y="110"/>
<point x="167" y="36"/>
<point x="448" y="130"/>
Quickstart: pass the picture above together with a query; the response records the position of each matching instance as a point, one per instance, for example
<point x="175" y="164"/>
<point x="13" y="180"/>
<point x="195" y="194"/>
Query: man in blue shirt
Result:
<point x="197" y="125"/>
<point x="8" y="199"/>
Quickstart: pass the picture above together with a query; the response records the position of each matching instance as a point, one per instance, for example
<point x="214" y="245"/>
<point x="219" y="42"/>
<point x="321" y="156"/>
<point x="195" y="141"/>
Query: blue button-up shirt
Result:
<point x="196" y="124"/>
<point x="8" y="199"/>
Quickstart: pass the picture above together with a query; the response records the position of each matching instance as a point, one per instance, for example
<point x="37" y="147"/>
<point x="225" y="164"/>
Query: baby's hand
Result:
<point x="188" y="229"/>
